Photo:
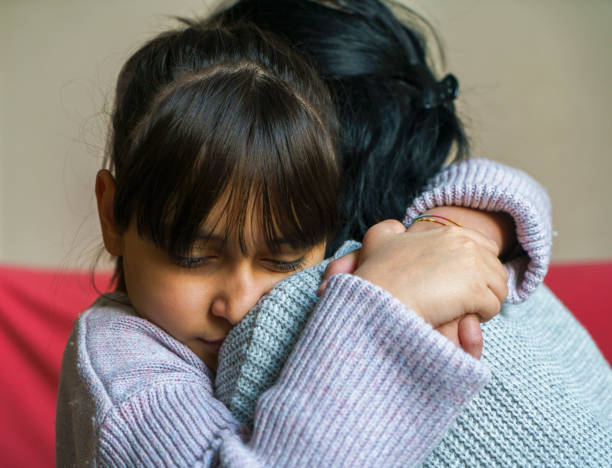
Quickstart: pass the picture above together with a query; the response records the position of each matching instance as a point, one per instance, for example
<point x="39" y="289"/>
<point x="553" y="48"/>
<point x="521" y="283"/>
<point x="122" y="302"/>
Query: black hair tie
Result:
<point x="445" y="90"/>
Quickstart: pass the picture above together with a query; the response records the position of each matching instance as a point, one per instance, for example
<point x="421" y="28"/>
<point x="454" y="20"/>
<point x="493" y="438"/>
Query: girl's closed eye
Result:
<point x="283" y="266"/>
<point x="195" y="261"/>
<point x="191" y="261"/>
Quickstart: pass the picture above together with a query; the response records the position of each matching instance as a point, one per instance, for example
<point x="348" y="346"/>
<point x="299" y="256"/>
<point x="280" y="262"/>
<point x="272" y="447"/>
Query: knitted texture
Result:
<point x="256" y="349"/>
<point x="368" y="384"/>
<point x="549" y="402"/>
<point x="490" y="186"/>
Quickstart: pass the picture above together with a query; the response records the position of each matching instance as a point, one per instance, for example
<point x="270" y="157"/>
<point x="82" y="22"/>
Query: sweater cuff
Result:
<point x="490" y="186"/>
<point x="367" y="362"/>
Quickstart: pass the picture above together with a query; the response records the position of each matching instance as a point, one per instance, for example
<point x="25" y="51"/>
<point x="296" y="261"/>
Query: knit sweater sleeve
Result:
<point x="368" y="384"/>
<point x="487" y="185"/>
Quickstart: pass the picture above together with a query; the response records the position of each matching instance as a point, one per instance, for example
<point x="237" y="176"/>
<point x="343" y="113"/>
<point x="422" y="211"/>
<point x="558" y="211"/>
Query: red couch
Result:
<point x="37" y="308"/>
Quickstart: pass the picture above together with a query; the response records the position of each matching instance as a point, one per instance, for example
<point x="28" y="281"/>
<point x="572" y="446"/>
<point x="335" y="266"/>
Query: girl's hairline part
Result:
<point x="214" y="21"/>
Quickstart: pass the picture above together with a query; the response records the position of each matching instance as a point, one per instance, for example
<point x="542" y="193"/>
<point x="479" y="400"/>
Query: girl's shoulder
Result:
<point x="117" y="371"/>
<point x="125" y="354"/>
<point x="109" y="308"/>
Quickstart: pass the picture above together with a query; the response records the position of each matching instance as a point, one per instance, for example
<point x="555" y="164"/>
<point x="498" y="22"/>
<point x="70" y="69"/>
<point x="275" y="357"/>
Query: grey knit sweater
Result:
<point x="549" y="402"/>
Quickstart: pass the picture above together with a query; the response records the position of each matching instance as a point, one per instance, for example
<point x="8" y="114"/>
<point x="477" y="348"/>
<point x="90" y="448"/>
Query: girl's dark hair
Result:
<point x="392" y="140"/>
<point x="211" y="114"/>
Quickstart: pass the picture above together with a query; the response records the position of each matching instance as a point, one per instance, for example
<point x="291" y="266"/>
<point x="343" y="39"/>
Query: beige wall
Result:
<point x="536" y="80"/>
<point x="535" y="93"/>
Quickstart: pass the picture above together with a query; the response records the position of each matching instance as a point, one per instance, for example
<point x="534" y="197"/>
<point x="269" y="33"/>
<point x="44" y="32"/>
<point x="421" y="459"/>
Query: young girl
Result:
<point x="550" y="399"/>
<point x="224" y="181"/>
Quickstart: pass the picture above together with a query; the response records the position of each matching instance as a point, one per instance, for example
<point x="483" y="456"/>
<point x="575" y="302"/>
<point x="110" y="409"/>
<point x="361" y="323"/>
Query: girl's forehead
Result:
<point x="228" y="224"/>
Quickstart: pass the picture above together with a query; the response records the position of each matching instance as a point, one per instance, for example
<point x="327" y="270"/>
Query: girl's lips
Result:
<point x="214" y="346"/>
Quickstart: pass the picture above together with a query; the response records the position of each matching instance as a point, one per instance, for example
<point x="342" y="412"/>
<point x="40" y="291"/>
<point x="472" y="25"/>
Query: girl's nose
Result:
<point x="238" y="293"/>
<point x="220" y="308"/>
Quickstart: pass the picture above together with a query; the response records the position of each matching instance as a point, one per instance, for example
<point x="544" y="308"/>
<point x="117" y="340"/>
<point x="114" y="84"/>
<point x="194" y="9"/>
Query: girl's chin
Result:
<point x="212" y="362"/>
<point x="207" y="354"/>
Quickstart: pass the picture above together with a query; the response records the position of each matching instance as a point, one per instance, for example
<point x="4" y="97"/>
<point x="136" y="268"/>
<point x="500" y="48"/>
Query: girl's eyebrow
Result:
<point x="208" y="236"/>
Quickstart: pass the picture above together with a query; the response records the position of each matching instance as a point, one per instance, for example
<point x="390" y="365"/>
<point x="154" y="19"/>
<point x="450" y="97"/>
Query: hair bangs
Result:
<point x="285" y="178"/>
<point x="255" y="148"/>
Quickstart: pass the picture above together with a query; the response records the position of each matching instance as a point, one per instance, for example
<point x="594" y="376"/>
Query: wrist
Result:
<point x="497" y="226"/>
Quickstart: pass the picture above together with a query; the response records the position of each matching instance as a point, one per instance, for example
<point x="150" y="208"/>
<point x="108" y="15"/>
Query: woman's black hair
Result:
<point x="210" y="114"/>
<point x="392" y="140"/>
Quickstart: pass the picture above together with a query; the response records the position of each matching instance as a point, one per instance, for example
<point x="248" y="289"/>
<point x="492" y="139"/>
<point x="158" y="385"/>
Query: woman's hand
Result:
<point x="442" y="274"/>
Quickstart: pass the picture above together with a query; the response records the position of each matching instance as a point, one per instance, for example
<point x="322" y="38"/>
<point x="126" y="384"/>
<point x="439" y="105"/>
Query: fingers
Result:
<point x="390" y="225"/>
<point x="465" y="333"/>
<point x="470" y="335"/>
<point x="488" y="275"/>
<point x="498" y="285"/>
<point x="485" y="304"/>
<point x="345" y="264"/>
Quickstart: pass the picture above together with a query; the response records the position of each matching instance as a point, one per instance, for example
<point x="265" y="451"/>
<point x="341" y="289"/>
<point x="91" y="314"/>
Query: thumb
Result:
<point x="470" y="335"/>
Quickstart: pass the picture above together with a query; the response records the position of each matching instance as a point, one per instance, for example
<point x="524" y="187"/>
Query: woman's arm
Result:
<point x="491" y="187"/>
<point x="500" y="202"/>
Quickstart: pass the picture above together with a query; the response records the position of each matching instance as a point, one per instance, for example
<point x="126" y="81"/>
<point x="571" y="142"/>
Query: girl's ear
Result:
<point x="105" y="196"/>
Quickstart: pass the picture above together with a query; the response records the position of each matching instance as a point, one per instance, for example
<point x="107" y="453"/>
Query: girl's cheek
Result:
<point x="184" y="294"/>
<point x="164" y="297"/>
